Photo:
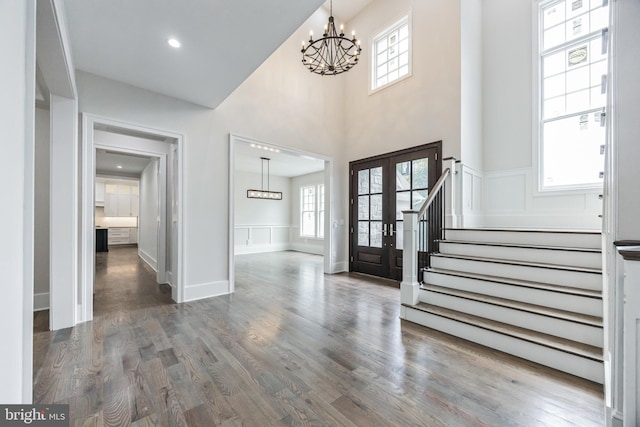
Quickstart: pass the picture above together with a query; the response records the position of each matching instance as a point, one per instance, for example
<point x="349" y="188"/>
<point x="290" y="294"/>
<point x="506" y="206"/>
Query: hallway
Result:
<point x="292" y="346"/>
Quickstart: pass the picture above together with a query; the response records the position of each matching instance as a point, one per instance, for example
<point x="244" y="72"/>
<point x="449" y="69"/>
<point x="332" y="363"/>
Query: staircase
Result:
<point x="530" y="293"/>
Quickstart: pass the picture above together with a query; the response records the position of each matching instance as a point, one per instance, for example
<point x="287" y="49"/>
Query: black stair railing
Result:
<point x="431" y="222"/>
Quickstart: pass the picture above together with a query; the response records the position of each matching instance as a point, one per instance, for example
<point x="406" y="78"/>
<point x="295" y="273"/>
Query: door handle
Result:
<point x="384" y="230"/>
<point x="391" y="231"/>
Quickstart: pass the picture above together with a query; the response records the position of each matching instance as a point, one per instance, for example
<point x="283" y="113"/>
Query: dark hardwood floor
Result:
<point x="291" y="347"/>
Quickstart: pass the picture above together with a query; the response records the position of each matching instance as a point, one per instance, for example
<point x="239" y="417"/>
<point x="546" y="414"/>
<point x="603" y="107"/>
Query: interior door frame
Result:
<point x="87" y="252"/>
<point x="437" y="145"/>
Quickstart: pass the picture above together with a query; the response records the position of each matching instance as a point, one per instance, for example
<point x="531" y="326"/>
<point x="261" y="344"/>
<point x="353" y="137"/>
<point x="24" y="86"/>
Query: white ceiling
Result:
<point x="223" y="42"/>
<point x="346" y="9"/>
<point x="107" y="163"/>
<point x="286" y="164"/>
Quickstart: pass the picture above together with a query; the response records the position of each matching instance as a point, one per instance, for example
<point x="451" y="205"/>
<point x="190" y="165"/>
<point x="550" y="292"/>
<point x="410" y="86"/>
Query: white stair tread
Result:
<point x="523" y="283"/>
<point x="517" y="305"/>
<point x="522" y="263"/>
<point x="523" y="246"/>
<point x="562" y="344"/>
<point x="529" y="230"/>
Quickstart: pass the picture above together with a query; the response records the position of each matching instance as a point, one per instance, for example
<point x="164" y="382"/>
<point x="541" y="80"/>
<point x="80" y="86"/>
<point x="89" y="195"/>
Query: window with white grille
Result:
<point x="573" y="81"/>
<point x="391" y="55"/>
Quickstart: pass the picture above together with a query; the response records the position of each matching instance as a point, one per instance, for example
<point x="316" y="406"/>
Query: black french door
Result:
<point x="381" y="188"/>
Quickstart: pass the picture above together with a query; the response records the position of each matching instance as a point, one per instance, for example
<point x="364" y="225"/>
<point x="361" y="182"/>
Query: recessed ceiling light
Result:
<point x="174" y="43"/>
<point x="119" y="166"/>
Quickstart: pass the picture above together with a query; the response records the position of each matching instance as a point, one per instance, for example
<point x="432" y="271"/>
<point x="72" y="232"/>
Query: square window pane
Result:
<point x="376" y="235"/>
<point x="393" y="64"/>
<point x="393" y="75"/>
<point x="392" y="52"/>
<point x="598" y="99"/>
<point x="553" y="64"/>
<point x="404" y="59"/>
<point x="403" y="33"/>
<point x="578" y="101"/>
<point x="403" y="46"/>
<point x="554" y="36"/>
<point x="420" y="173"/>
<point x="376" y="180"/>
<point x="363" y="233"/>
<point x="596" y="50"/>
<point x="598" y="69"/>
<point x="382" y="70"/>
<point x="308" y="224"/>
<point x="376" y="207"/>
<point x="576" y="7"/>
<point x="554" y="107"/>
<point x="363" y="207"/>
<point x="554" y="86"/>
<point x="393" y="38"/>
<point x="381" y="45"/>
<point x="403" y="71"/>
<point x="363" y="181"/>
<point x="381" y="58"/>
<point x="578" y="79"/>
<point x="553" y="15"/>
<point x="382" y="81"/>
<point x="418" y="198"/>
<point x="403" y="176"/>
<point x="577" y="27"/>
<point x="599" y="18"/>
<point x="403" y="203"/>
<point x="572" y="151"/>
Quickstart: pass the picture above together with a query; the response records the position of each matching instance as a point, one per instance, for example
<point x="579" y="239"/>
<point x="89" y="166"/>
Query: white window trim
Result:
<point x="537" y="123"/>
<point x="372" y="60"/>
<point x="302" y="211"/>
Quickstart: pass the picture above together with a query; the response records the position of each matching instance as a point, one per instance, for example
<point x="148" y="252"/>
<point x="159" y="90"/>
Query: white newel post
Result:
<point x="451" y="196"/>
<point x="631" y="346"/>
<point x="410" y="286"/>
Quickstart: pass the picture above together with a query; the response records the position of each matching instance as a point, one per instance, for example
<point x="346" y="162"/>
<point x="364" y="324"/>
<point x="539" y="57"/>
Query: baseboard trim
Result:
<point x="339" y="267"/>
<point x="153" y="263"/>
<point x="206" y="290"/>
<point x="258" y="249"/>
<point x="41" y="301"/>
<point x="308" y="249"/>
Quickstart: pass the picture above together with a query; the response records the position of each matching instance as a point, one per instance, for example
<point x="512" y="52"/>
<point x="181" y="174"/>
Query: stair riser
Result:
<point x="544" y="256"/>
<point x="560" y="360"/>
<point x="536" y="322"/>
<point x="560" y="301"/>
<point x="575" y="279"/>
<point x="572" y="240"/>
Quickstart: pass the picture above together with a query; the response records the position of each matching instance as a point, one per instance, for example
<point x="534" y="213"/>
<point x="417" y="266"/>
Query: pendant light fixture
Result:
<point x="333" y="53"/>
<point x="262" y="193"/>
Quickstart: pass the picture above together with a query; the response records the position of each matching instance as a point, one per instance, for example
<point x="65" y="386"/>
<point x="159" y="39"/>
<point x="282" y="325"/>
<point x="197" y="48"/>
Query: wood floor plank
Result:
<point x="292" y="346"/>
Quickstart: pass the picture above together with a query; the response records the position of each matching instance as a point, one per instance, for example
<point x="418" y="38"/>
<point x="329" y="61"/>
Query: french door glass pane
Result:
<point x="420" y="173"/>
<point x="399" y="235"/>
<point x="403" y="176"/>
<point x="376" y="207"/>
<point x="363" y="207"/>
<point x="363" y="233"/>
<point x="376" y="234"/>
<point x="376" y="180"/>
<point x="418" y="198"/>
<point x="363" y="181"/>
<point x="403" y="203"/>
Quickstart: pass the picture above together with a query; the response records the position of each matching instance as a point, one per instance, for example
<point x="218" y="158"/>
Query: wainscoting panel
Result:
<point x="251" y="239"/>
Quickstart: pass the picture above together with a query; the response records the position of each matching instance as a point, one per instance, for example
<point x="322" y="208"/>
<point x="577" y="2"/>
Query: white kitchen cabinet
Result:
<point x="133" y="235"/>
<point x="121" y="200"/>
<point x="99" y="193"/>
<point x="123" y="235"/>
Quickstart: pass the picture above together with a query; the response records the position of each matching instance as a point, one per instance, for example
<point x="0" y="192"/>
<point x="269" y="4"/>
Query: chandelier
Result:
<point x="333" y="53"/>
<point x="262" y="193"/>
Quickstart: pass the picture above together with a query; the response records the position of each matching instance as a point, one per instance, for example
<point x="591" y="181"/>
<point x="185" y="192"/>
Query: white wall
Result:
<point x="262" y="108"/>
<point x="261" y="225"/>
<point x="511" y="196"/>
<point x="303" y="244"/>
<point x="17" y="86"/>
<point x="41" y="219"/>
<point x="420" y="109"/>
<point x="147" y="219"/>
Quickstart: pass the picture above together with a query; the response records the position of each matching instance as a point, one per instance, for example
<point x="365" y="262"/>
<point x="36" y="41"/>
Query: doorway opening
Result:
<point x="294" y="229"/>
<point x="131" y="217"/>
